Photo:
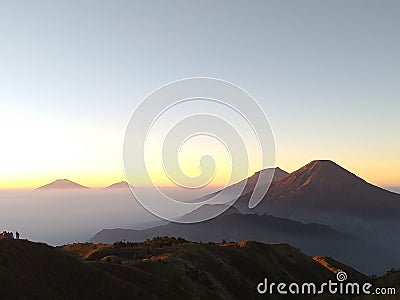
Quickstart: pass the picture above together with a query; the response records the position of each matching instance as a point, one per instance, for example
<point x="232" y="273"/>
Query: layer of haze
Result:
<point x="326" y="73"/>
<point x="66" y="216"/>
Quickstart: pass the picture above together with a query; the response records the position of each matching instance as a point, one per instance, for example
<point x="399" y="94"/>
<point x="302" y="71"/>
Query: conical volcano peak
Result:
<point x="323" y="163"/>
<point x="323" y="168"/>
<point x="321" y="175"/>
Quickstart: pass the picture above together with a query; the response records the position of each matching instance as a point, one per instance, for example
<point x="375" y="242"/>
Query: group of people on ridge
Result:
<point x="9" y="235"/>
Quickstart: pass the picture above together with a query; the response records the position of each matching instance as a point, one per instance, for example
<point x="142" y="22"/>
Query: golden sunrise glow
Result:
<point x="35" y="152"/>
<point x="189" y="158"/>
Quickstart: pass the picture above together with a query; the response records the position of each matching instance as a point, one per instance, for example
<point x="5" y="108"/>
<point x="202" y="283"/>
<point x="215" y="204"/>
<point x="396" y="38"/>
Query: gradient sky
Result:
<point x="327" y="73"/>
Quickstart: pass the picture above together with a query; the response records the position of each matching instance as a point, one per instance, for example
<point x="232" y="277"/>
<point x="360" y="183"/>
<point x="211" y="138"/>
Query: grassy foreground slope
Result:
<point x="161" y="268"/>
<point x="175" y="268"/>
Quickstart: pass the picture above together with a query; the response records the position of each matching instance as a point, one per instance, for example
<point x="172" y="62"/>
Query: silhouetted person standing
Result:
<point x="17" y="235"/>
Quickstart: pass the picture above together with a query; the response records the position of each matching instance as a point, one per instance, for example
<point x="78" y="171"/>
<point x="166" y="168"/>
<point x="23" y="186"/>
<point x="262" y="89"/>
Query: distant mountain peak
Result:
<point x="276" y="172"/>
<point x="62" y="184"/>
<point x="119" y="185"/>
<point x="279" y="169"/>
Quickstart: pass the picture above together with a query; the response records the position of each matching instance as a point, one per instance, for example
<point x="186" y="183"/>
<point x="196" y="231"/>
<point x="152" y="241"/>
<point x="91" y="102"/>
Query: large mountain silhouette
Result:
<point x="322" y="185"/>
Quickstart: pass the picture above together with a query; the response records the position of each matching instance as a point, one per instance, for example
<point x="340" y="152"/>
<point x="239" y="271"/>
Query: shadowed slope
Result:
<point x="36" y="271"/>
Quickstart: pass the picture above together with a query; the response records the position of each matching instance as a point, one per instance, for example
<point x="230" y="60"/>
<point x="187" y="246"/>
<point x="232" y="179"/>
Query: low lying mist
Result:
<point x="66" y="216"/>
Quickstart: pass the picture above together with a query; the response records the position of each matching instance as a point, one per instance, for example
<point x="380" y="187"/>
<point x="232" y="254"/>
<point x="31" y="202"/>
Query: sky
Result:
<point x="326" y="73"/>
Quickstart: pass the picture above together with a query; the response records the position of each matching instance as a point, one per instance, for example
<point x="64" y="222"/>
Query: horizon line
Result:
<point x="174" y="186"/>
